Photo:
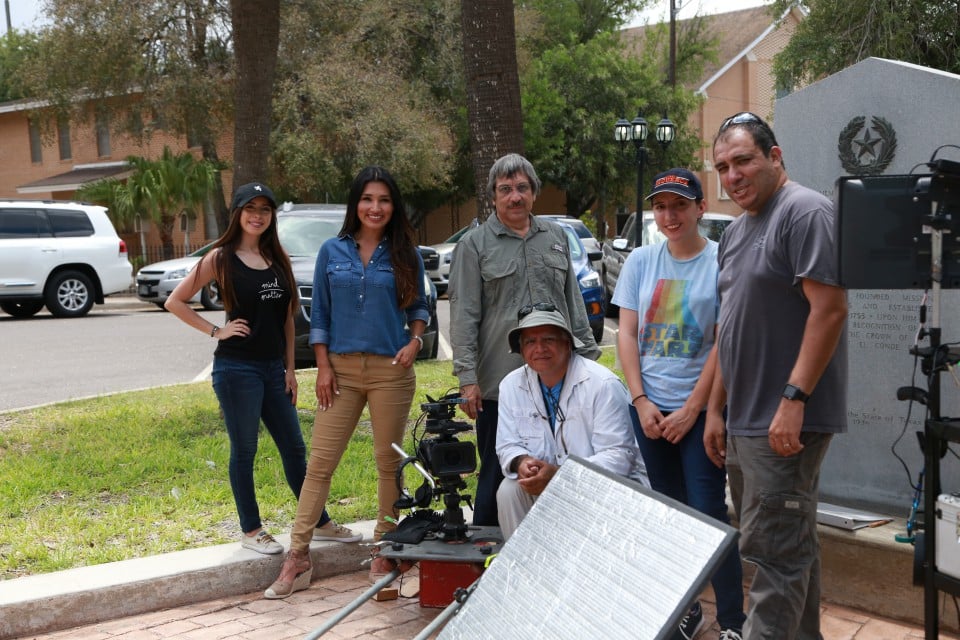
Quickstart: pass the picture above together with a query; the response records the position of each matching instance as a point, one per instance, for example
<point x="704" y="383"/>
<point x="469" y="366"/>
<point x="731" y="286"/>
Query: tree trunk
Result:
<point x="493" y="88"/>
<point x="256" y="35"/>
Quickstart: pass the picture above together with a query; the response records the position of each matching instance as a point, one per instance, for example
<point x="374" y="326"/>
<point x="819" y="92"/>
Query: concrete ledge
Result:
<point x="87" y="595"/>
<point x="868" y="569"/>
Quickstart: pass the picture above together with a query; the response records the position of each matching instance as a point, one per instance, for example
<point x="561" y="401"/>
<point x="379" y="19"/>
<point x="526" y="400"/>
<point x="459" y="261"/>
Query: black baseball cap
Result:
<point x="247" y="192"/>
<point x="682" y="182"/>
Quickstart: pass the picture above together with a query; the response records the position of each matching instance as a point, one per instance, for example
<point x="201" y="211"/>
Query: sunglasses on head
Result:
<point x="748" y="118"/>
<point x="538" y="306"/>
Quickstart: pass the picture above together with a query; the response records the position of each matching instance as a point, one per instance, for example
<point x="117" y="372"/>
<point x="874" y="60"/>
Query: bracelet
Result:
<point x="637" y="397"/>
<point x="418" y="339"/>
<point x="213" y="332"/>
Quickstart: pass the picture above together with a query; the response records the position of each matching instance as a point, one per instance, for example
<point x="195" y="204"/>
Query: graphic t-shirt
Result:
<point x="263" y="299"/>
<point x="677" y="306"/>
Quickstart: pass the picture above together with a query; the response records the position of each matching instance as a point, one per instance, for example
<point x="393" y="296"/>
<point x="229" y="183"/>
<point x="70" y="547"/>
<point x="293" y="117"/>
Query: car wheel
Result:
<point x="435" y="349"/>
<point x="598" y="332"/>
<point x="69" y="294"/>
<point x="210" y="297"/>
<point x="22" y="309"/>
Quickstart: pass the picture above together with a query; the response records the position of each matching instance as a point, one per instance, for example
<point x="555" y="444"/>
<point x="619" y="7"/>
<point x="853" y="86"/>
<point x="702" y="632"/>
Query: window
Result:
<point x="103" y="135"/>
<point x="63" y="138"/>
<point x="69" y="224"/>
<point x="36" y="144"/>
<point x="22" y="223"/>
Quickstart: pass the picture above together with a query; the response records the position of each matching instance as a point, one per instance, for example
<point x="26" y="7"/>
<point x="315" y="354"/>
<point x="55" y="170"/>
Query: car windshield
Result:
<point x="303" y="235"/>
<point x="576" y="249"/>
<point x="455" y="238"/>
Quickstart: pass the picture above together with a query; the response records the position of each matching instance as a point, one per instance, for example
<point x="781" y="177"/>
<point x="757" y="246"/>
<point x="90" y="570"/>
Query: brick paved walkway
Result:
<point x="250" y="617"/>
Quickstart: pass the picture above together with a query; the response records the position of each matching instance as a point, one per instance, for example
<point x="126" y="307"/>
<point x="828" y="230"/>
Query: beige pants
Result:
<point x="363" y="380"/>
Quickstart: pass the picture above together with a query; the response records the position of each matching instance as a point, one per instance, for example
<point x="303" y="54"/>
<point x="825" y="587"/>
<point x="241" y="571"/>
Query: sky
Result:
<point x="23" y="14"/>
<point x="690" y="8"/>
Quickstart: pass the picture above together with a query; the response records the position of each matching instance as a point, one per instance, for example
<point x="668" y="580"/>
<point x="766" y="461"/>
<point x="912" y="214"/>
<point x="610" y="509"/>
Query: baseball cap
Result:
<point x="539" y="319"/>
<point x="682" y="182"/>
<point x="247" y="192"/>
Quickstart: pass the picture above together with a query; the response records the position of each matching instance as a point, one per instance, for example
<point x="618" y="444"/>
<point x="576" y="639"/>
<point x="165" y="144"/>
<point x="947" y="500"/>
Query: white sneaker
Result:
<point x="333" y="532"/>
<point x="263" y="542"/>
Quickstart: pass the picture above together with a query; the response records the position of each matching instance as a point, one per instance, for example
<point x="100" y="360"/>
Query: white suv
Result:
<point x="65" y="255"/>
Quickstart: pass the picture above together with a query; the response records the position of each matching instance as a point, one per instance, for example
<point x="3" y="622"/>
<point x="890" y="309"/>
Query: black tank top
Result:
<point x="263" y="300"/>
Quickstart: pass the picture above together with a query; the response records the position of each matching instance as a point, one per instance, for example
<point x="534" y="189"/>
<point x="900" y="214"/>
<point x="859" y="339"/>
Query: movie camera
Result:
<point x="441" y="460"/>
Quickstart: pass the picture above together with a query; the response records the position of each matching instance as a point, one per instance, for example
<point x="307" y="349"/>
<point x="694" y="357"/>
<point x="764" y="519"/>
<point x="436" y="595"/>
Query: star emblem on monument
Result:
<point x="867" y="145"/>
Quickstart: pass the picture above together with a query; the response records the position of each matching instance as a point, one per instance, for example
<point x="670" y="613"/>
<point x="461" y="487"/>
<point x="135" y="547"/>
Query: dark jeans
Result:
<point x="684" y="472"/>
<point x="248" y="391"/>
<point x="490" y="477"/>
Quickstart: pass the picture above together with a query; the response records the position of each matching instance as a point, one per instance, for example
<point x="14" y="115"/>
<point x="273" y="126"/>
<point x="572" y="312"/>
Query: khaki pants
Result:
<point x="363" y="380"/>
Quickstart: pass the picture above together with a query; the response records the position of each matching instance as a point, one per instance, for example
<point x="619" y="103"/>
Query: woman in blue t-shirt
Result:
<point x="668" y="300"/>
<point x="253" y="367"/>
<point x="367" y="287"/>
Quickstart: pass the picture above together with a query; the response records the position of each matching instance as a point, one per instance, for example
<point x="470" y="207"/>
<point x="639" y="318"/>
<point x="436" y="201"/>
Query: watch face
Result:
<point x="793" y="392"/>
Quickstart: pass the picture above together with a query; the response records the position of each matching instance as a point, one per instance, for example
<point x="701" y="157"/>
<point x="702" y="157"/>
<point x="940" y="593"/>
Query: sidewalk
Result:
<point x="216" y="592"/>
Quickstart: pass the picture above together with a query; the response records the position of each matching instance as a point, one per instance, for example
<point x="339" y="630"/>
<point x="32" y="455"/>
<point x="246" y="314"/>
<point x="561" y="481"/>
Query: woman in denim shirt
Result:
<point x="367" y="285"/>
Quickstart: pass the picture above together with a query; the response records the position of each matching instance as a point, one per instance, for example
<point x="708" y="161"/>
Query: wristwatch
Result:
<point x="793" y="392"/>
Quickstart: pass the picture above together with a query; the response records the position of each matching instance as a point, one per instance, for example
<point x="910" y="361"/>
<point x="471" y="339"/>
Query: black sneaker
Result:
<point x="691" y="624"/>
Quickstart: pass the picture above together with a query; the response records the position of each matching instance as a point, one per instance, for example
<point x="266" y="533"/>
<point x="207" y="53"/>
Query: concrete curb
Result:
<point x="87" y="595"/>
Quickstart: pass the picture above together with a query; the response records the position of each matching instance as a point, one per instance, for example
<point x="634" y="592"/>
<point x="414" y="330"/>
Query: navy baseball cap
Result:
<point x="682" y="182"/>
<point x="247" y="192"/>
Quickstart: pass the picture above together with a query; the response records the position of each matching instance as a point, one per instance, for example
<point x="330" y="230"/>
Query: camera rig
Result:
<point x="442" y="460"/>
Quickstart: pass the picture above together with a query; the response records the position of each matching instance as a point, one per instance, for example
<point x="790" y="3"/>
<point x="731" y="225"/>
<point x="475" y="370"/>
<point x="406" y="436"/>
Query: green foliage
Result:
<point x="161" y="189"/>
<point x="15" y="47"/>
<point x="382" y="87"/>
<point x="145" y="472"/>
<point x="838" y="33"/>
<point x="572" y="22"/>
<point x="573" y="94"/>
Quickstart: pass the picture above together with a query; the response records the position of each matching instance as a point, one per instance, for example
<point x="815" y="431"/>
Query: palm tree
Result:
<point x="160" y="188"/>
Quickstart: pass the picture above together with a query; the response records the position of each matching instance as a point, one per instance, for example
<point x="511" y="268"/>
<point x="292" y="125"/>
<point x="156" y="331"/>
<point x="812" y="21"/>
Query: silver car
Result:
<point x="155" y="282"/>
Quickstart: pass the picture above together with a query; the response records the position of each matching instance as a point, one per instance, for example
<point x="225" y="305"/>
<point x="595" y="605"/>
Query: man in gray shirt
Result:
<point x="783" y="373"/>
<point x="514" y="261"/>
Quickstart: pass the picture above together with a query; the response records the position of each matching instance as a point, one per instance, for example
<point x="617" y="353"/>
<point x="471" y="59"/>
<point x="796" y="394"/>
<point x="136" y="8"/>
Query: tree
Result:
<point x="15" y="47"/>
<point x="256" y="35"/>
<point x="161" y="189"/>
<point x="574" y="91"/>
<point x="378" y="82"/>
<point x="838" y="33"/>
<point x="147" y="66"/>
<point x="493" y="88"/>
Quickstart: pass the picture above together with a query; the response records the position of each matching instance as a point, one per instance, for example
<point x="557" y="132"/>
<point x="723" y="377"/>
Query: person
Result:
<point x="367" y="285"/>
<point x="556" y="405"/>
<point x="668" y="361"/>
<point x="782" y="351"/>
<point x="511" y="260"/>
<point x="253" y="366"/>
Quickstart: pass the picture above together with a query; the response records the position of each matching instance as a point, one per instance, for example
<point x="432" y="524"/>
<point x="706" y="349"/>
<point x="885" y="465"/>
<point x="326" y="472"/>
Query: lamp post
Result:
<point x="636" y="130"/>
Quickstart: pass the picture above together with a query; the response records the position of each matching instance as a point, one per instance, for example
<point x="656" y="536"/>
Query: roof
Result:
<point x="77" y="177"/>
<point x="736" y="32"/>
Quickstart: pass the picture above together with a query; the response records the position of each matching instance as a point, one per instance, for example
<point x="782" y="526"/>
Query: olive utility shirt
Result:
<point x="494" y="273"/>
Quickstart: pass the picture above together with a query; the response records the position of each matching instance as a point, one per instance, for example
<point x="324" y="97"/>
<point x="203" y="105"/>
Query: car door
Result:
<point x="28" y="251"/>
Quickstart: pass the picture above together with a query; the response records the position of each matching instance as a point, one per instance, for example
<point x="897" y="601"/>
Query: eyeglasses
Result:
<point x="745" y="117"/>
<point x="522" y="188"/>
<point x="537" y="306"/>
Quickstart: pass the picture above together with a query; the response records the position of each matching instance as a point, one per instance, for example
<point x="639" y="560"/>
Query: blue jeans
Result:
<point x="490" y="476"/>
<point x="685" y="473"/>
<point x="248" y="391"/>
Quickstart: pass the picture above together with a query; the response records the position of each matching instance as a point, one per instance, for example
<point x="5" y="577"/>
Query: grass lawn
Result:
<point x="142" y="473"/>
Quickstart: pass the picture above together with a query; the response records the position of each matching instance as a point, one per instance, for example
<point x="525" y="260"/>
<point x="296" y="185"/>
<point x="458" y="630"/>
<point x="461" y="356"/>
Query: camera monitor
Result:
<point x="882" y="232"/>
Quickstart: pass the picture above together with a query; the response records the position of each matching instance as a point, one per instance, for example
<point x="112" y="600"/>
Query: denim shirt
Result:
<point x="354" y="309"/>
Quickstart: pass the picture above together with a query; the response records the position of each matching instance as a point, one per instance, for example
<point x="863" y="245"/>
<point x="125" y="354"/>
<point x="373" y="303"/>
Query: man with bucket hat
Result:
<point x="557" y="404"/>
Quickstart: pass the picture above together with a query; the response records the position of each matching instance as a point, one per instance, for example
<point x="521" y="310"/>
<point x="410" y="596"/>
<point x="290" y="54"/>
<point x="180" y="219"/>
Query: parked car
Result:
<point x="588" y="279"/>
<point x="440" y="275"/>
<point x="615" y="251"/>
<point x="591" y="244"/>
<point x="302" y="229"/>
<point x="65" y="255"/>
<point x="155" y="282"/>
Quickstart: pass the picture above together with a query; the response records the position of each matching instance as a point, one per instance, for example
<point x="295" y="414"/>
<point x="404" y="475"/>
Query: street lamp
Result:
<point x="636" y="130"/>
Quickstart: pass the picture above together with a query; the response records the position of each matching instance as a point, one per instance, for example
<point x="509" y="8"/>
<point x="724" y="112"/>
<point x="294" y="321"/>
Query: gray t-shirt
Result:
<point x="763" y="311"/>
